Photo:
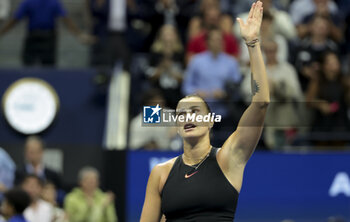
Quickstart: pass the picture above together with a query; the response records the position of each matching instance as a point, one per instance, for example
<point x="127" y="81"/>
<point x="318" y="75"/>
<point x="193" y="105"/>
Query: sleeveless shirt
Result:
<point x="203" y="195"/>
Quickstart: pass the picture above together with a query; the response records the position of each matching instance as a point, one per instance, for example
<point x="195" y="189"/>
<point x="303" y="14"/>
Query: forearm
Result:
<point x="8" y="26"/>
<point x="71" y="26"/>
<point x="259" y="82"/>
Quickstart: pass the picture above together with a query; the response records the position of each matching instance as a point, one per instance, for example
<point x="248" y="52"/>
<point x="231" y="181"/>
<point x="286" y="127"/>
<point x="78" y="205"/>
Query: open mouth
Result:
<point x="189" y="126"/>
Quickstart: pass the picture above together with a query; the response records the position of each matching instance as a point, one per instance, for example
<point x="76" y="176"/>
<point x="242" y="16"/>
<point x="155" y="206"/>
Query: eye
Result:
<point x="195" y="110"/>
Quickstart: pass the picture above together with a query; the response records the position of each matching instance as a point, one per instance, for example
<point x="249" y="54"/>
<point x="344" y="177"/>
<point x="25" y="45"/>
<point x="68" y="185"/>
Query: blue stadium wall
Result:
<point x="275" y="186"/>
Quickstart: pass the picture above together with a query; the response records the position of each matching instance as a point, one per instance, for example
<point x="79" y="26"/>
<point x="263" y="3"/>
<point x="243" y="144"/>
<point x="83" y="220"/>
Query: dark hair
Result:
<point x="268" y="16"/>
<point x="150" y="95"/>
<point x="35" y="177"/>
<point x="195" y="95"/>
<point x="18" y="199"/>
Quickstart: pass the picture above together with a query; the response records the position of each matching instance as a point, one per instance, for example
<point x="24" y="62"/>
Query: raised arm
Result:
<point x="241" y="144"/>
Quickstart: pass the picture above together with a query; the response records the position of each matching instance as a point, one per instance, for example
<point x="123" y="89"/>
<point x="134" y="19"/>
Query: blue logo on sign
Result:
<point x="152" y="114"/>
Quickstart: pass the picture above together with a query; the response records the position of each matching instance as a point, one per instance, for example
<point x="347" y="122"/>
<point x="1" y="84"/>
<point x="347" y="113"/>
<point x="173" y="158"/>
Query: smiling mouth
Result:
<point x="189" y="126"/>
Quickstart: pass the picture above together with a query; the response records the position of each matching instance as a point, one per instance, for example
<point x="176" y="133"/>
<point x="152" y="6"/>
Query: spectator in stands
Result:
<point x="14" y="204"/>
<point x="268" y="32"/>
<point x="166" y="64"/>
<point x="38" y="210"/>
<point x="40" y="43"/>
<point x="285" y="91"/>
<point x="151" y="138"/>
<point x="88" y="202"/>
<point x="310" y="49"/>
<point x="210" y="72"/>
<point x="4" y="10"/>
<point x="108" y="21"/>
<point x="211" y="19"/>
<point x="165" y="14"/>
<point x="335" y="26"/>
<point x="49" y="194"/>
<point x="328" y="89"/>
<point x="7" y="172"/>
<point x="301" y="8"/>
<point x="282" y="23"/>
<point x="33" y="152"/>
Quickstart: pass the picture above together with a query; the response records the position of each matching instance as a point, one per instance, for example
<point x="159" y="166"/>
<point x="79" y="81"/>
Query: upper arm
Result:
<point x="241" y="144"/>
<point x="151" y="211"/>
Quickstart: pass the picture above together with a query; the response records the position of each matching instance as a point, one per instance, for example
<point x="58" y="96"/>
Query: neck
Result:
<point x="35" y="165"/>
<point x="88" y="192"/>
<point x="215" y="54"/>
<point x="271" y="62"/>
<point x="195" y="151"/>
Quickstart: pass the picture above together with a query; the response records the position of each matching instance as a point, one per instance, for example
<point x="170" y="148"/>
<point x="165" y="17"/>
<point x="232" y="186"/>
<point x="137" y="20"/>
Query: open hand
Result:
<point x="251" y="28"/>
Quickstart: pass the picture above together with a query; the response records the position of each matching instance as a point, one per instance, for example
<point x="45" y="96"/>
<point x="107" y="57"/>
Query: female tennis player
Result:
<point x="203" y="183"/>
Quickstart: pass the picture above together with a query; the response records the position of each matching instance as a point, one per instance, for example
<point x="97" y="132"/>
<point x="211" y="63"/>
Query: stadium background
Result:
<point x="282" y="184"/>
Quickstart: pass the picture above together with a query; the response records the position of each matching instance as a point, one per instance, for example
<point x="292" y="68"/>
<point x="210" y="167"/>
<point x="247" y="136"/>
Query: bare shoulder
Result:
<point x="165" y="167"/>
<point x="161" y="172"/>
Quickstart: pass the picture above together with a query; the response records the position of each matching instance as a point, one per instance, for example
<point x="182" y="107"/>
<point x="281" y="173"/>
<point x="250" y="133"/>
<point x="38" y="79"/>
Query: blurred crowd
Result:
<point x="172" y="48"/>
<point x="32" y="192"/>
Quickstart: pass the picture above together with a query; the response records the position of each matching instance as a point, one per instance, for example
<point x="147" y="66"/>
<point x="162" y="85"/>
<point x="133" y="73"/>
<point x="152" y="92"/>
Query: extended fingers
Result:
<point x="257" y="9"/>
<point x="251" y="12"/>
<point x="240" y="21"/>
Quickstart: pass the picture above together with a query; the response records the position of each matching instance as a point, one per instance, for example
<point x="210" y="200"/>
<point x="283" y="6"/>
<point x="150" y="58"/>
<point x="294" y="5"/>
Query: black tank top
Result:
<point x="204" y="196"/>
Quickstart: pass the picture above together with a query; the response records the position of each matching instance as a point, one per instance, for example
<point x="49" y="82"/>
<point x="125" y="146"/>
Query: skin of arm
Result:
<point x="73" y="28"/>
<point x="151" y="211"/>
<point x="241" y="144"/>
<point x="8" y="26"/>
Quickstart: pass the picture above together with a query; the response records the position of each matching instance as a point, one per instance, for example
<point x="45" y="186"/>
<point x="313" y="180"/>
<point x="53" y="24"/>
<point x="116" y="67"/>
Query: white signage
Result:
<point x="30" y="105"/>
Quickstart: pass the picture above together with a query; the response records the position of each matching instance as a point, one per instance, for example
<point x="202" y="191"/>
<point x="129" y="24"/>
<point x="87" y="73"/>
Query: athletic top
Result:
<point x="203" y="195"/>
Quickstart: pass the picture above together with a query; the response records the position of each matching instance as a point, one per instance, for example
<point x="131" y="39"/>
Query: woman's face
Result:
<point x="49" y="193"/>
<point x="319" y="27"/>
<point x="192" y="107"/>
<point x="168" y="34"/>
<point x="331" y="66"/>
<point x="89" y="182"/>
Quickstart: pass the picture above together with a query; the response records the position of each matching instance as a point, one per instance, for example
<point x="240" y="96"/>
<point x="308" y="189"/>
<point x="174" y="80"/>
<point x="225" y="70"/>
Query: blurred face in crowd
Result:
<point x="270" y="50"/>
<point x="212" y="17"/>
<point x="34" y="151"/>
<point x="319" y="27"/>
<point x="267" y="4"/>
<point x="49" y="193"/>
<point x="168" y="34"/>
<point x="169" y="38"/>
<point x="266" y="26"/>
<point x="89" y="181"/>
<point x="6" y="209"/>
<point x="33" y="187"/>
<point x="320" y="2"/>
<point x="331" y="66"/>
<point x="207" y="4"/>
<point x="215" y="41"/>
<point x="192" y="130"/>
<point x="155" y="100"/>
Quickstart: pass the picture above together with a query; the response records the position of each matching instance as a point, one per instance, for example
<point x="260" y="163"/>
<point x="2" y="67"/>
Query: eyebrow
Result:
<point x="187" y="109"/>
